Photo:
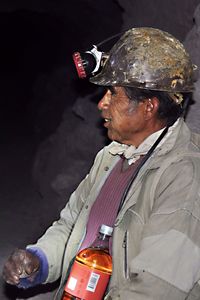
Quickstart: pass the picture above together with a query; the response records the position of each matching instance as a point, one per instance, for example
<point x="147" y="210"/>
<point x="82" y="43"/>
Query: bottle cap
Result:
<point x="104" y="229"/>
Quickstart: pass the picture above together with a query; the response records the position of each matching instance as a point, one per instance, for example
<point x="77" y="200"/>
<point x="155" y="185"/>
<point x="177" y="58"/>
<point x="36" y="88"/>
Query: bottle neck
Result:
<point x="102" y="241"/>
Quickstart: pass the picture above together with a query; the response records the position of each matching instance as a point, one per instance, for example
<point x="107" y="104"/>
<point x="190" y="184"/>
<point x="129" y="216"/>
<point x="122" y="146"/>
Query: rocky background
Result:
<point x="50" y="127"/>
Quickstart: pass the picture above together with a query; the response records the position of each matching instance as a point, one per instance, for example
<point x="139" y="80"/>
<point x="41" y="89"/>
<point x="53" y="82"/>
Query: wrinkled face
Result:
<point x="124" y="118"/>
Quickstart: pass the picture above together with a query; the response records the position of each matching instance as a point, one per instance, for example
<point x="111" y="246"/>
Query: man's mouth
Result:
<point x="107" y="122"/>
<point x="107" y="119"/>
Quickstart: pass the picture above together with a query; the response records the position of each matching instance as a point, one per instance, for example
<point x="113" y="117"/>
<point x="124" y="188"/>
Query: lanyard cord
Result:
<point x="111" y="38"/>
<point x="135" y="173"/>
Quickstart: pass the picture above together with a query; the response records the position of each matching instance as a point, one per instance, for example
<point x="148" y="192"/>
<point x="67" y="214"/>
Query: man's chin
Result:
<point x="113" y="139"/>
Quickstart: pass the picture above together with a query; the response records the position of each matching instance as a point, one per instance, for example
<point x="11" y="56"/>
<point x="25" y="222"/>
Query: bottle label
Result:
<point x="86" y="283"/>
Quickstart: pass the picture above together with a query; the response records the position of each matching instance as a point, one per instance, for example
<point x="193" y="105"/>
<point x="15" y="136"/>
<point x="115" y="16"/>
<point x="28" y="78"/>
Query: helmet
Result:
<point x="148" y="58"/>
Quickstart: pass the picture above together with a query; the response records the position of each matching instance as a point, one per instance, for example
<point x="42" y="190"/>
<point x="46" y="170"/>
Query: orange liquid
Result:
<point x="67" y="296"/>
<point x="94" y="258"/>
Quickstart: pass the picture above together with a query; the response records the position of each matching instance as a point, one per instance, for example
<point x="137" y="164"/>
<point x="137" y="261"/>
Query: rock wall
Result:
<point x="174" y="16"/>
<point x="64" y="158"/>
<point x="192" y="44"/>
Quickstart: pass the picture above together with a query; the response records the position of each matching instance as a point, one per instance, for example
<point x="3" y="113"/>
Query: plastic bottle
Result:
<point x="91" y="270"/>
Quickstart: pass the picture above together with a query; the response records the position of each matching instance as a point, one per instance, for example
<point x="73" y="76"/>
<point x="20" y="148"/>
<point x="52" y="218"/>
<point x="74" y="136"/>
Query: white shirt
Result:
<point x="131" y="153"/>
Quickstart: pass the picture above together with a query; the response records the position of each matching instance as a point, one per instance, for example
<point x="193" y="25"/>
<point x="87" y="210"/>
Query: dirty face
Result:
<point x="124" y="119"/>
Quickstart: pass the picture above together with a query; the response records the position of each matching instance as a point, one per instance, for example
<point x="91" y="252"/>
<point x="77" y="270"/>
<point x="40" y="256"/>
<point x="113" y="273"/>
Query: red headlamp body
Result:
<point x="88" y="63"/>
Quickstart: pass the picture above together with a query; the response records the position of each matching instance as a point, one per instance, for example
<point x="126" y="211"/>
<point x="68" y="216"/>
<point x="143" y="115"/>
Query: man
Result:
<point x="145" y="184"/>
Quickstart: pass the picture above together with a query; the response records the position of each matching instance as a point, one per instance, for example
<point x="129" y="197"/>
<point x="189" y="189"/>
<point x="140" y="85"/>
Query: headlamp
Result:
<point x="88" y="63"/>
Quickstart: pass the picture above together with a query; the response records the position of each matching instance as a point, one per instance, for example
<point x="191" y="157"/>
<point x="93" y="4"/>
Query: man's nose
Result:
<point x="105" y="101"/>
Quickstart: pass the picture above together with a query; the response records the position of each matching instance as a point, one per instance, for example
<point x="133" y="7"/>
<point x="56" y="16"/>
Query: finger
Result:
<point x="11" y="277"/>
<point x="12" y="270"/>
<point x="18" y="255"/>
<point x="31" y="264"/>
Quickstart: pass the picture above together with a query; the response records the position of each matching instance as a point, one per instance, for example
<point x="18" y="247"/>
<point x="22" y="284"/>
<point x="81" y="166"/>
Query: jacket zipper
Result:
<point x="124" y="245"/>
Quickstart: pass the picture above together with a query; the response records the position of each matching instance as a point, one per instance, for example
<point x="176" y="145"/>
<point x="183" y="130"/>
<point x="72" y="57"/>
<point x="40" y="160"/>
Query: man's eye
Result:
<point x="112" y="90"/>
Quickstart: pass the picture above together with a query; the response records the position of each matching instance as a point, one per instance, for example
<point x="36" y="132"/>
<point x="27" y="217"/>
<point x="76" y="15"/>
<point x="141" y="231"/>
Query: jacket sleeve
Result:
<point x="168" y="263"/>
<point x="54" y="241"/>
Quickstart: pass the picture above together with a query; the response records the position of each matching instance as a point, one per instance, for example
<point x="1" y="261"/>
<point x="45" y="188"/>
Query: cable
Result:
<point x="135" y="173"/>
<point x="110" y="38"/>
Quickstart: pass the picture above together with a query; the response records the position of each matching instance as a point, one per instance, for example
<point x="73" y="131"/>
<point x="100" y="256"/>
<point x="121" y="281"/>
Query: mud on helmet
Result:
<point x="148" y="58"/>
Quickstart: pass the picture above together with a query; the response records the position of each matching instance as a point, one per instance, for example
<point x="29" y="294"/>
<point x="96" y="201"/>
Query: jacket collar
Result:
<point x="174" y="145"/>
<point x="166" y="145"/>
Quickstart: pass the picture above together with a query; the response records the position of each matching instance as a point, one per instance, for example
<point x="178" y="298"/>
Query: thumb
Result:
<point x="31" y="263"/>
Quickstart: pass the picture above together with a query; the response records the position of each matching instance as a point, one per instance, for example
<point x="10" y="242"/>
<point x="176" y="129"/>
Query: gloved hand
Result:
<point x="20" y="264"/>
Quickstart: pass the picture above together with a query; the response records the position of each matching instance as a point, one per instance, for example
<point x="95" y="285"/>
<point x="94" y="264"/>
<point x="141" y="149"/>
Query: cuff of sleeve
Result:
<point x="41" y="274"/>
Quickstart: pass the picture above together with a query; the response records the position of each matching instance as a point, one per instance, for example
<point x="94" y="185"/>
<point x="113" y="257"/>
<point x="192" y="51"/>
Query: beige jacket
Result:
<point x="156" y="240"/>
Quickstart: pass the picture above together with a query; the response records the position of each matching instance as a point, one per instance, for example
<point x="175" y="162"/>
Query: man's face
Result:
<point x="124" y="119"/>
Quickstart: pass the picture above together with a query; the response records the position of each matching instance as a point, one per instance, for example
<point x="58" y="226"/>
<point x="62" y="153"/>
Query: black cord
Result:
<point x="145" y="158"/>
<point x="110" y="38"/>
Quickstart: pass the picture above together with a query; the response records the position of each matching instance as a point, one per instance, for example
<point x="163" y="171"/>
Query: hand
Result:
<point x="20" y="264"/>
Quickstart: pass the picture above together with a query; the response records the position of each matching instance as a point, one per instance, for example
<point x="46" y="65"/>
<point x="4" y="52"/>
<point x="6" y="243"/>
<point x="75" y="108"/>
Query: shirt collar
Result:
<point x="132" y="154"/>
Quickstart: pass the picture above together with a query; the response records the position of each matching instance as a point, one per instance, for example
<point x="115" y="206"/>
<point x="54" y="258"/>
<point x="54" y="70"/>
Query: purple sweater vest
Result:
<point x="105" y="208"/>
<point x="103" y="211"/>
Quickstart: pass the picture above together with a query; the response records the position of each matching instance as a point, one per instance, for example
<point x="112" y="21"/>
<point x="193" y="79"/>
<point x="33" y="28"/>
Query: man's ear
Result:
<point x="151" y="107"/>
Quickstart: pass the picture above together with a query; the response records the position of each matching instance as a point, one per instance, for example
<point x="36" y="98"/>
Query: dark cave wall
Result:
<point x="37" y="42"/>
<point x="174" y="16"/>
<point x="192" y="44"/>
